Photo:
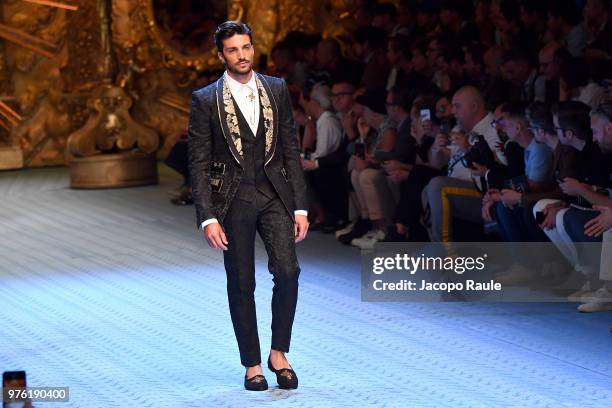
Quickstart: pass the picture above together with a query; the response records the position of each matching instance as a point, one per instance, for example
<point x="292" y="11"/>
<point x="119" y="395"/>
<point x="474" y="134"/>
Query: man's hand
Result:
<point x="441" y="142"/>
<point x="599" y="224"/>
<point x="550" y="212"/>
<point x="572" y="186"/>
<point x="492" y="194"/>
<point x="359" y="163"/>
<point x="215" y="236"/>
<point x="510" y="197"/>
<point x="478" y="170"/>
<point x="363" y="128"/>
<point x="486" y="210"/>
<point x="308" y="165"/>
<point x="398" y="175"/>
<point x="427" y="127"/>
<point x="301" y="227"/>
<point x="394" y="165"/>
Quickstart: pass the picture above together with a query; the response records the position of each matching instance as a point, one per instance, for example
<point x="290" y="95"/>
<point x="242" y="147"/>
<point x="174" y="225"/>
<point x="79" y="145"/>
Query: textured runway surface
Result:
<point x="114" y="294"/>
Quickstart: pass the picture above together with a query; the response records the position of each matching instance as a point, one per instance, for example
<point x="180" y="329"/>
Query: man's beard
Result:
<point x="236" y="69"/>
<point x="606" y="147"/>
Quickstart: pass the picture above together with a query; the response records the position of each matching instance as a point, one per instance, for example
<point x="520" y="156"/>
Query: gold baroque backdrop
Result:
<point x="52" y="65"/>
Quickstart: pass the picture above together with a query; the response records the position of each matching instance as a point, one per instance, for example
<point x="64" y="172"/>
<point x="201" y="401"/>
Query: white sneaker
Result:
<point x="516" y="274"/>
<point x="601" y="295"/>
<point x="578" y="295"/>
<point x="595" y="307"/>
<point x="346" y="229"/>
<point x="369" y="239"/>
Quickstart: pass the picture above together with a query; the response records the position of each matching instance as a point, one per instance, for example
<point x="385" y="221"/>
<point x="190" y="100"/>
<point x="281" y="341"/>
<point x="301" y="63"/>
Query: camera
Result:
<point x="479" y="152"/>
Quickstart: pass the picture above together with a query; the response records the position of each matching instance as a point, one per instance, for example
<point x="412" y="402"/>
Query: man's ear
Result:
<point x="221" y="58"/>
<point x="608" y="129"/>
<point x="541" y="133"/>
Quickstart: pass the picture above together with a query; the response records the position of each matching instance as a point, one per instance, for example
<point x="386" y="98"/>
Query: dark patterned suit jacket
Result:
<point x="215" y="148"/>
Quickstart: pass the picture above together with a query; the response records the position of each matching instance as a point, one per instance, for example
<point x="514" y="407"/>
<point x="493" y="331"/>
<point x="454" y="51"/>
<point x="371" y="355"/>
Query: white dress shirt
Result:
<point x="329" y="135"/>
<point x="247" y="99"/>
<point x="485" y="129"/>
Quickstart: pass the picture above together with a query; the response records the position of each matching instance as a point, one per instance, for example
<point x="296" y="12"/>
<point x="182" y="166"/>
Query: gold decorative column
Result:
<point x="111" y="149"/>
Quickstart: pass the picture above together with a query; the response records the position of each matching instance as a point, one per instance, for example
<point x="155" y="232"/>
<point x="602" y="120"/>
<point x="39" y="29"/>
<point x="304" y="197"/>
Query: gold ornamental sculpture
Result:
<point x="104" y="85"/>
<point x="111" y="149"/>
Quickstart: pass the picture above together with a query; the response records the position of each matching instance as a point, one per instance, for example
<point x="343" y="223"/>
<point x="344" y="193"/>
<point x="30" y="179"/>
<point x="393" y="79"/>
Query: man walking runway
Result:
<point x="247" y="177"/>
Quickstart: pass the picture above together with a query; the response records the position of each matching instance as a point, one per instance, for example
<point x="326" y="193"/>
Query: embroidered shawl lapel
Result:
<point x="229" y="119"/>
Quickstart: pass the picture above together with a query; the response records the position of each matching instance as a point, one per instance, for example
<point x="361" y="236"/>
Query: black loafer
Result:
<point x="285" y="377"/>
<point x="256" y="383"/>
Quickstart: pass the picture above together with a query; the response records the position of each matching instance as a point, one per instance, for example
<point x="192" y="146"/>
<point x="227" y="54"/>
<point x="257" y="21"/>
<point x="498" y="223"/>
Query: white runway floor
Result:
<point x="114" y="294"/>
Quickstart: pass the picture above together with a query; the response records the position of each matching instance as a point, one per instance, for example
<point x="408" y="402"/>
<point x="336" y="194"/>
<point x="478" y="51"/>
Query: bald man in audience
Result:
<point x="448" y="197"/>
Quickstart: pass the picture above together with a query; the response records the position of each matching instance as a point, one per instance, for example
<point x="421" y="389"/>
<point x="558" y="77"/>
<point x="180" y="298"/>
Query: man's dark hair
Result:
<point x="376" y="37"/>
<point x="465" y="8"/>
<point x="452" y="52"/>
<point x="510" y="9"/>
<point x="575" y="73"/>
<point x="477" y="52"/>
<point x="540" y="8"/>
<point x="515" y="110"/>
<point x="229" y="29"/>
<point x="561" y="55"/>
<point x="284" y="48"/>
<point x="517" y="54"/>
<point x="539" y="115"/>
<point x="566" y="9"/>
<point x="402" y="97"/>
<point x="574" y="116"/>
<point x="385" y="9"/>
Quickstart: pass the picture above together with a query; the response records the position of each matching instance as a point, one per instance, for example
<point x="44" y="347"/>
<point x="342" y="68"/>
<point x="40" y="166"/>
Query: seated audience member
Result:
<point x="584" y="225"/>
<point x="519" y="71"/>
<point x="326" y="181"/>
<point x="343" y="102"/>
<point x="564" y="24"/>
<point x="375" y="194"/>
<point x="573" y="126"/>
<point x="369" y="47"/>
<point x="444" y="112"/>
<point x="576" y="84"/>
<point x="450" y="74"/>
<point x="534" y="17"/>
<point x="419" y="61"/>
<point x="447" y="197"/>
<point x="456" y="21"/>
<point x="598" y="24"/>
<point x="516" y="223"/>
<point x="564" y="162"/>
<point x="474" y="66"/>
<point x="384" y="16"/>
<point x="288" y="67"/>
<point x="399" y="61"/>
<point x="338" y="67"/>
<point x="551" y="73"/>
<point x="402" y="167"/>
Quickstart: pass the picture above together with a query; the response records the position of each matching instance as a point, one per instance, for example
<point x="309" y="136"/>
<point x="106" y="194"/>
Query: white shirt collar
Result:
<point x="236" y="86"/>
<point x="484" y="125"/>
